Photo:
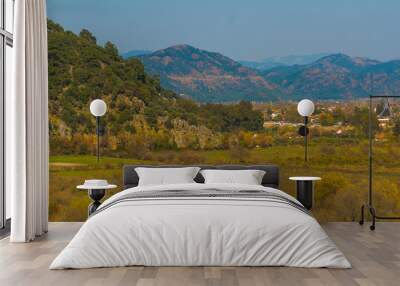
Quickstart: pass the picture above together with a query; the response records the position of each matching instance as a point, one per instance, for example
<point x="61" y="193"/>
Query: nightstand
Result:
<point x="305" y="190"/>
<point x="96" y="190"/>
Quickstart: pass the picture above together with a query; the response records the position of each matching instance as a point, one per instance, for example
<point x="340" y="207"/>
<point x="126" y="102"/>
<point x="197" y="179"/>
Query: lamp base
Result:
<point x="96" y="195"/>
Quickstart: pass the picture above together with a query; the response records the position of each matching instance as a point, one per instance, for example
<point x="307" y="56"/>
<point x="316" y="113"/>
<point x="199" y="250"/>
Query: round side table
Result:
<point x="305" y="190"/>
<point x="96" y="193"/>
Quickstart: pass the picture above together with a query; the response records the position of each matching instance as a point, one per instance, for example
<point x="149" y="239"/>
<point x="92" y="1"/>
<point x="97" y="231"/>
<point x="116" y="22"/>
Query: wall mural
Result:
<point x="185" y="105"/>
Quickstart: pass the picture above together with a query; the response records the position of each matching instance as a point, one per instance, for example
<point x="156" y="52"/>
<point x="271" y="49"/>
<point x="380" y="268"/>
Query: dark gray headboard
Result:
<point x="271" y="177"/>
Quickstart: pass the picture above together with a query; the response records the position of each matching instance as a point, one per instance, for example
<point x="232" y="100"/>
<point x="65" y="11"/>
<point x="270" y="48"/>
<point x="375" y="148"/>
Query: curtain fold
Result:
<point x="27" y="123"/>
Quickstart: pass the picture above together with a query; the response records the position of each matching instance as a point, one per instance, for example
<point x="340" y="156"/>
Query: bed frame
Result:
<point x="270" y="179"/>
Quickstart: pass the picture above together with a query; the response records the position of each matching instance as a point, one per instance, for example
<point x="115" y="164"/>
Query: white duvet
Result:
<point x="199" y="231"/>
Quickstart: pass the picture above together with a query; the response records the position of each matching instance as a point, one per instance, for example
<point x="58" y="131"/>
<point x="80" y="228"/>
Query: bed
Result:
<point x="198" y="224"/>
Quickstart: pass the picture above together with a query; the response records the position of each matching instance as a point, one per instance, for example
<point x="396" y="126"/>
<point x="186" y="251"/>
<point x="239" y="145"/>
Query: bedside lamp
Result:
<point x="305" y="108"/>
<point x="98" y="108"/>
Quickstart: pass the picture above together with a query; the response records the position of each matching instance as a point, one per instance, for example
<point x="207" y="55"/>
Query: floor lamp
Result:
<point x="371" y="136"/>
<point x="305" y="108"/>
<point x="98" y="108"/>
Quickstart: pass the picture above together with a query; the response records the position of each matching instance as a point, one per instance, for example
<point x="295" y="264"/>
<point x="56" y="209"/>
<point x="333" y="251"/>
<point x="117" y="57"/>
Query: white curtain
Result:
<point x="27" y="124"/>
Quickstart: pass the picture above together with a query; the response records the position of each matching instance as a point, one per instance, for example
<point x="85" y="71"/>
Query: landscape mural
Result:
<point x="185" y="105"/>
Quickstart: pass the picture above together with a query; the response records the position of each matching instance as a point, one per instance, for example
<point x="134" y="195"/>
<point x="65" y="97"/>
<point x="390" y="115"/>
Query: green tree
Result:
<point x="112" y="50"/>
<point x="85" y="34"/>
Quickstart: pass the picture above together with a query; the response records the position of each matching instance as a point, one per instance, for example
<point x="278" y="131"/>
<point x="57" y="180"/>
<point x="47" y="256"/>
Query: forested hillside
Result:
<point x="141" y="115"/>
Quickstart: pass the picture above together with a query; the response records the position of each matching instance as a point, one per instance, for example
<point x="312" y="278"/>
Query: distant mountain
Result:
<point x="272" y="62"/>
<point x="207" y="76"/>
<point x="337" y="76"/>
<point x="382" y="78"/>
<point x="135" y="53"/>
<point x="212" y="77"/>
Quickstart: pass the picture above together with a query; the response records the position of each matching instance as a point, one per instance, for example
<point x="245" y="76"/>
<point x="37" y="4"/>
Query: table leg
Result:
<point x="96" y="196"/>
<point x="305" y="193"/>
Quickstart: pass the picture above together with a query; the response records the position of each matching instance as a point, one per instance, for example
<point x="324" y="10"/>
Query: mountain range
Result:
<point x="212" y="77"/>
<point x="207" y="76"/>
<point x="291" y="60"/>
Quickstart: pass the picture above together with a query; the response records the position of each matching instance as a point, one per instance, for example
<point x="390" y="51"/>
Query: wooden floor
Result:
<point x="375" y="257"/>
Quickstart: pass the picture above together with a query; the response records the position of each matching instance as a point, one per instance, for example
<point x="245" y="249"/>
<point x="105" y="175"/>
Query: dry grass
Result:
<point x="338" y="196"/>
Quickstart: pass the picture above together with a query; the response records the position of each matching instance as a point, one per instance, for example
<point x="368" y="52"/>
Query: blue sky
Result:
<point x="243" y="30"/>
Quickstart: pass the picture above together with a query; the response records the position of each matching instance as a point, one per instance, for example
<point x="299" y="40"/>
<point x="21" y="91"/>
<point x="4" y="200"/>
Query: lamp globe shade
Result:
<point x="98" y="107"/>
<point x="305" y="107"/>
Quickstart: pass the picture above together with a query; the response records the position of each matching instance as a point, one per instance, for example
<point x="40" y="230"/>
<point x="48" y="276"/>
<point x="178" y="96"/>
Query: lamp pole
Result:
<point x="98" y="137"/>
<point x="305" y="138"/>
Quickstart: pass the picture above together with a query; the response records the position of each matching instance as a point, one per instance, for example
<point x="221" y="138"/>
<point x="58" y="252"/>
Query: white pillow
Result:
<point x="166" y="176"/>
<point x="248" y="177"/>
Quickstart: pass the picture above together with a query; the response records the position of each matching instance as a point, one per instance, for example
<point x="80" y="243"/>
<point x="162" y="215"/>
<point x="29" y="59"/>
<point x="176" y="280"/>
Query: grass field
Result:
<point x="342" y="165"/>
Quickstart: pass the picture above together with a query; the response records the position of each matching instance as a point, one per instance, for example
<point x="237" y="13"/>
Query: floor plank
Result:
<point x="375" y="257"/>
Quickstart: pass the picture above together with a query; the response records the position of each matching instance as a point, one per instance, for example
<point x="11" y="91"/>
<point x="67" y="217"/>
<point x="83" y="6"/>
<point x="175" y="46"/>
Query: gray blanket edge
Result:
<point x="206" y="194"/>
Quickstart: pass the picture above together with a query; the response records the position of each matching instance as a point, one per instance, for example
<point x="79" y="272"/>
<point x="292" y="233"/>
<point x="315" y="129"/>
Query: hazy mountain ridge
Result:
<point x="337" y="76"/>
<point x="135" y="53"/>
<point x="291" y="60"/>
